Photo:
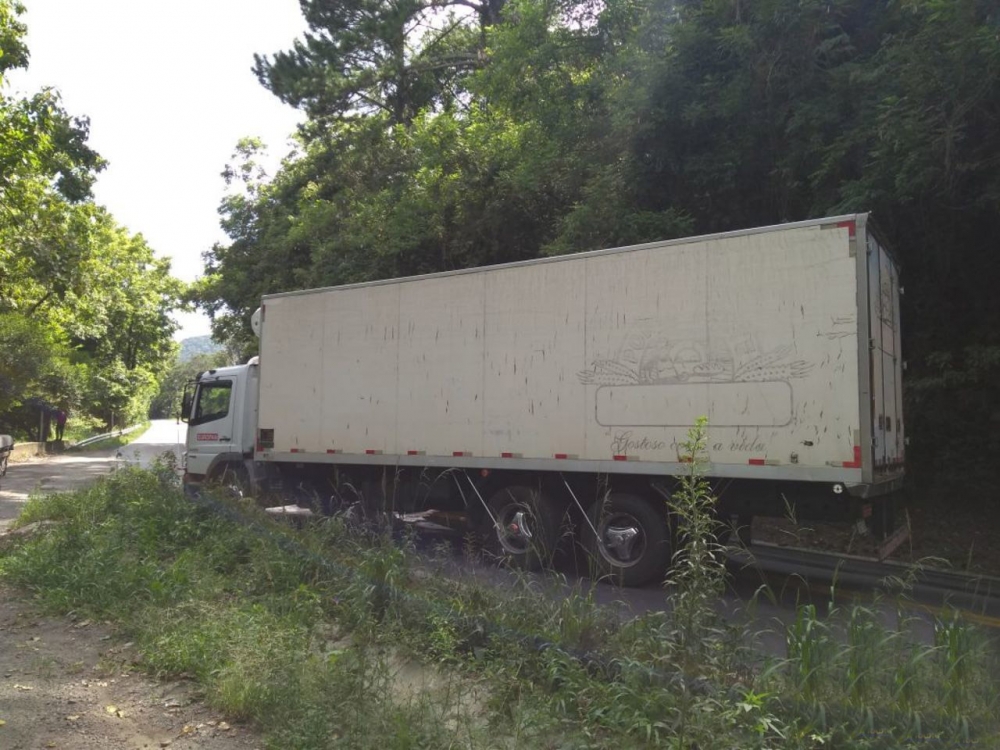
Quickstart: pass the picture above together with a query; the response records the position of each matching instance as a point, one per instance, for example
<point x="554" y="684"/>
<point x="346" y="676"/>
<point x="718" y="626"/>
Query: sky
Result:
<point x="169" y="90"/>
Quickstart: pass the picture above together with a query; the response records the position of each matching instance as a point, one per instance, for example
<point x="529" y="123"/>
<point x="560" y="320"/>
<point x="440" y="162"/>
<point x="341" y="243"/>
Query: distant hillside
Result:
<point x="196" y="345"/>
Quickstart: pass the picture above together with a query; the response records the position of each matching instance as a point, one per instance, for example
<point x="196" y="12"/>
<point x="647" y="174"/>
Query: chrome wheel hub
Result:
<point x="623" y="542"/>
<point x="514" y="530"/>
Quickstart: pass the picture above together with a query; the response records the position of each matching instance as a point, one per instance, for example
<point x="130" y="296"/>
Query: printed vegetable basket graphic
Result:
<point x="653" y="382"/>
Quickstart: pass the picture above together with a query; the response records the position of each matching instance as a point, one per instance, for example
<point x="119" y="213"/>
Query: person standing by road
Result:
<point x="60" y="423"/>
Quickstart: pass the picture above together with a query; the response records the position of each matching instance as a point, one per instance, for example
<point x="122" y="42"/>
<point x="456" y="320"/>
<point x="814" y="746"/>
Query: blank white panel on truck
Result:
<point x="359" y="371"/>
<point x="534" y="350"/>
<point x="440" y="366"/>
<point x="292" y="387"/>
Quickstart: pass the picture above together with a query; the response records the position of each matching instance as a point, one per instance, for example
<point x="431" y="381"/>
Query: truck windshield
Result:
<point x="213" y="401"/>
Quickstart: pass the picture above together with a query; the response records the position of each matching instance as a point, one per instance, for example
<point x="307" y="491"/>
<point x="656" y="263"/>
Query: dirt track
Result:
<point x="73" y="684"/>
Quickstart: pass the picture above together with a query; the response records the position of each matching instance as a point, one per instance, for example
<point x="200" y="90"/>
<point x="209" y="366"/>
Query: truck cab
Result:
<point x="220" y="408"/>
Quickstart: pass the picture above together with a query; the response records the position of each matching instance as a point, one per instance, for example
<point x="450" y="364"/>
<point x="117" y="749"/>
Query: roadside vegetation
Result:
<point x="85" y="304"/>
<point x="117" y="439"/>
<point x="336" y="634"/>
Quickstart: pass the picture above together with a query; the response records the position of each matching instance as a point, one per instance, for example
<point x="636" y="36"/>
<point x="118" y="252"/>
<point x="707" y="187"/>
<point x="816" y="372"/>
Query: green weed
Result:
<point x="316" y="634"/>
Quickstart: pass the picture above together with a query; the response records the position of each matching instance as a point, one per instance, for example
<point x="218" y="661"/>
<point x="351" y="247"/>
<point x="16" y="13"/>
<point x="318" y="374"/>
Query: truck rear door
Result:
<point x="886" y="359"/>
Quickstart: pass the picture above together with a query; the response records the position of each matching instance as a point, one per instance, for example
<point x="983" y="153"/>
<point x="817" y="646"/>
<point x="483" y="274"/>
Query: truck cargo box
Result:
<point x="786" y="338"/>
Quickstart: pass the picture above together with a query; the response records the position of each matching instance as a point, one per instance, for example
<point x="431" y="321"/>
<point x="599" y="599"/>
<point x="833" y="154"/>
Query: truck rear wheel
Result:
<point x="522" y="526"/>
<point x="632" y="541"/>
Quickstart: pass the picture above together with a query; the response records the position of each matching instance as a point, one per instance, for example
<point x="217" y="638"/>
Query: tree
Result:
<point x="377" y="57"/>
<point x="46" y="169"/>
<point x="84" y="306"/>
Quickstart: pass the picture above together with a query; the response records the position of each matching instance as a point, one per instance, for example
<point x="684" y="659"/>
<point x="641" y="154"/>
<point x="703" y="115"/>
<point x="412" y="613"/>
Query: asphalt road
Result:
<point x="70" y="471"/>
<point x="163" y="435"/>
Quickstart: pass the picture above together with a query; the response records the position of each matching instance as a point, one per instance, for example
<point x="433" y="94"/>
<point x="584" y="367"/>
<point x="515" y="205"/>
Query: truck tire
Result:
<point x="632" y="541"/>
<point x="233" y="479"/>
<point x="522" y="527"/>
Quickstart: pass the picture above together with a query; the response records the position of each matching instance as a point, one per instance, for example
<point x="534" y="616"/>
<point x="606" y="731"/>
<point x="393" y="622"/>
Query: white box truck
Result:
<point x="518" y="396"/>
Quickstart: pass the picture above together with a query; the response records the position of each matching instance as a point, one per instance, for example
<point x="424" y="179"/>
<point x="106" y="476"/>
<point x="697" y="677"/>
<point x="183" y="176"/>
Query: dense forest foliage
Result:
<point x="443" y="134"/>
<point x="84" y="305"/>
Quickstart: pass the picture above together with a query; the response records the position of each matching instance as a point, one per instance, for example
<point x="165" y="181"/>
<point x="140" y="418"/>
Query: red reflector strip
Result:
<point x="415" y="453"/>
<point x="297" y="450"/>
<point x="372" y="452"/>
<point x="507" y="454"/>
<point x="757" y="462"/>
<point x="851" y="227"/>
<point x="460" y="454"/>
<point x="621" y="458"/>
<point x="333" y="450"/>
<point x="565" y="455"/>
<point x="856" y="463"/>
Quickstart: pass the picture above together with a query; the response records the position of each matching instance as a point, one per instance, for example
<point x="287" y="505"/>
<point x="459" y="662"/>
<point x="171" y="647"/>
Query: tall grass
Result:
<point x="336" y="635"/>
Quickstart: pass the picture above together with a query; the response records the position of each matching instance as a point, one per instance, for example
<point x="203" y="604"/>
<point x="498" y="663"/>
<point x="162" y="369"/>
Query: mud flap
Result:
<point x="891" y="543"/>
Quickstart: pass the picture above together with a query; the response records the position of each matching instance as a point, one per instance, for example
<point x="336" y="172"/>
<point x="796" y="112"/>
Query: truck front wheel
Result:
<point x="233" y="479"/>
<point x="628" y="539"/>
<point x="522" y="526"/>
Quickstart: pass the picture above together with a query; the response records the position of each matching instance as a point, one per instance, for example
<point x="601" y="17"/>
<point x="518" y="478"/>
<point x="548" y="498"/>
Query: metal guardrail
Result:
<point x="106" y="436"/>
<point x="975" y="594"/>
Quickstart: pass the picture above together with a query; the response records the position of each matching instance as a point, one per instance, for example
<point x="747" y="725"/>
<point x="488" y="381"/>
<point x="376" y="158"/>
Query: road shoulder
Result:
<point x="68" y="683"/>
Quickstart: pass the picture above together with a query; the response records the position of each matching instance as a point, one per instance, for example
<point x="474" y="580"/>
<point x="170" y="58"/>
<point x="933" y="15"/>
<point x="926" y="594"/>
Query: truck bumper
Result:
<point x="192" y="483"/>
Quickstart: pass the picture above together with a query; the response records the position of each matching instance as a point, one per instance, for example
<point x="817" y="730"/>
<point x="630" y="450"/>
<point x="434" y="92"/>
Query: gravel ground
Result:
<point x="72" y="684"/>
